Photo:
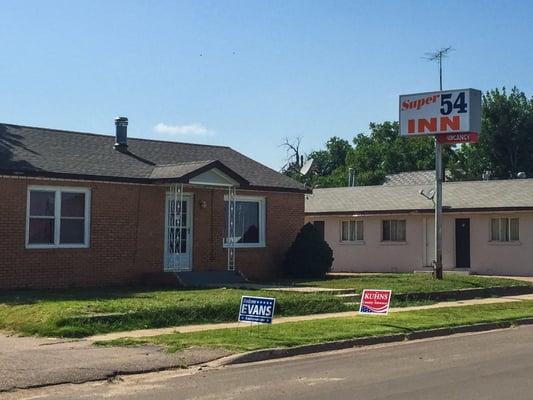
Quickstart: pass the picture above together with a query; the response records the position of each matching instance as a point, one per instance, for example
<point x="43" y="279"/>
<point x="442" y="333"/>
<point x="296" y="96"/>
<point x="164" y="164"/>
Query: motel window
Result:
<point x="352" y="231"/>
<point x="394" y="230"/>
<point x="57" y="217"/>
<point x="249" y="220"/>
<point x="504" y="230"/>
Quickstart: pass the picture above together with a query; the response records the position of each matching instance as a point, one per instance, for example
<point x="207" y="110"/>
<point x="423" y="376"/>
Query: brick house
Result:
<point x="82" y="209"/>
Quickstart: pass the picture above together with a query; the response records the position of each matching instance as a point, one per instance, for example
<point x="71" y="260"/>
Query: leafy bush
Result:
<point x="309" y="255"/>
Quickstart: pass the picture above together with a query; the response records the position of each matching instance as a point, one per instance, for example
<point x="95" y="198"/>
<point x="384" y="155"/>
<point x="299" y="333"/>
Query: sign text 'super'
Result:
<point x="453" y="111"/>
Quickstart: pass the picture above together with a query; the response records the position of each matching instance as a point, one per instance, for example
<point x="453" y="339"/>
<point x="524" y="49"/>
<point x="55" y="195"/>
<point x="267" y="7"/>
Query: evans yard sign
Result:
<point x="442" y="113"/>
<point x="257" y="309"/>
<point x="374" y="301"/>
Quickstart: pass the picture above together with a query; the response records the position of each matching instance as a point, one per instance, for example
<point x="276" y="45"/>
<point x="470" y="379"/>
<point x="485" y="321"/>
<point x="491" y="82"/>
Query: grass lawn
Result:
<point x="409" y="283"/>
<point x="85" y="312"/>
<point x="79" y="313"/>
<point x="320" y="331"/>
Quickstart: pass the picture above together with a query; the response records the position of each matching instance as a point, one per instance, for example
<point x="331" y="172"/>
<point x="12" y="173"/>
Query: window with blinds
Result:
<point x="504" y="230"/>
<point x="352" y="231"/>
<point x="393" y="230"/>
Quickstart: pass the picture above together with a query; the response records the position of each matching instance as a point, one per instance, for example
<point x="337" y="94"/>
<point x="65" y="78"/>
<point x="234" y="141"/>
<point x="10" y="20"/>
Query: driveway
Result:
<point x="29" y="362"/>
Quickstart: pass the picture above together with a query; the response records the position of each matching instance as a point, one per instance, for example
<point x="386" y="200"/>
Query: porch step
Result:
<point x="160" y="279"/>
<point x="210" y="279"/>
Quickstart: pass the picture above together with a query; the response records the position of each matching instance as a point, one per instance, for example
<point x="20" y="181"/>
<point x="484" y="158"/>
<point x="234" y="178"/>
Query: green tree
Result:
<point x="384" y="152"/>
<point x="506" y="141"/>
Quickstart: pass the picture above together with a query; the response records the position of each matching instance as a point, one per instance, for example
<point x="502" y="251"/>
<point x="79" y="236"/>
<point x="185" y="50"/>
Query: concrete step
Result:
<point x="349" y="296"/>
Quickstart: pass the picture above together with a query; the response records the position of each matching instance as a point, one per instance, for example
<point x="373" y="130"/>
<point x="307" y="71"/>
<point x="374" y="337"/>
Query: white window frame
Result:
<point x="57" y="190"/>
<point x="262" y="221"/>
<point x="499" y="240"/>
<point x="391" y="240"/>
<point x="357" y="240"/>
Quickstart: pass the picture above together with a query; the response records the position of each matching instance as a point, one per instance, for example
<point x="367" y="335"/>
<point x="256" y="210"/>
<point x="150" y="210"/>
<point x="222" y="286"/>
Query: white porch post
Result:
<point x="231" y="228"/>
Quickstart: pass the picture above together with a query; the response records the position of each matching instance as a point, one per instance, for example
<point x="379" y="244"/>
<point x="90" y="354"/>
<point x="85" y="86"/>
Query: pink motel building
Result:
<point x="487" y="226"/>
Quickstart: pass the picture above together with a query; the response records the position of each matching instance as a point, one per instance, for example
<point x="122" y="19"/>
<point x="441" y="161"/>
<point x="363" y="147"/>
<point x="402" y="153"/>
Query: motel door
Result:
<point x="462" y="243"/>
<point x="178" y="251"/>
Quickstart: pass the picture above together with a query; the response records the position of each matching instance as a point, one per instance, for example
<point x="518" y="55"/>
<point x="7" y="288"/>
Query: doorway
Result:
<point x="462" y="243"/>
<point x="178" y="251"/>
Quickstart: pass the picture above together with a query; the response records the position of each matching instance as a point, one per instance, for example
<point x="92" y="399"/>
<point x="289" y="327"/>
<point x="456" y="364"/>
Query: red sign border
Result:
<point x="361" y="304"/>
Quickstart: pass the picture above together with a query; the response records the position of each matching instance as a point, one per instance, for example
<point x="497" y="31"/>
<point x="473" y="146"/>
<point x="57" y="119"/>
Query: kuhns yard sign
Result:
<point x="375" y="301"/>
<point x="453" y="116"/>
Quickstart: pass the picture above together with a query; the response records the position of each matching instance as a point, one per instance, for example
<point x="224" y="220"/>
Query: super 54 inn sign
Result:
<point x="436" y="113"/>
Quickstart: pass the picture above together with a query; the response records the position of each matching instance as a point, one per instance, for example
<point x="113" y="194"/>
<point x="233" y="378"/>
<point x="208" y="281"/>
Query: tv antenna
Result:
<point x="437" y="57"/>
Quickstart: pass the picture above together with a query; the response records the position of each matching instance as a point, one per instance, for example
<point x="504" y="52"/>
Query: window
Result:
<point x="249" y="221"/>
<point x="351" y="231"/>
<point x="394" y="230"/>
<point x="504" y="230"/>
<point x="319" y="226"/>
<point x="57" y="217"/>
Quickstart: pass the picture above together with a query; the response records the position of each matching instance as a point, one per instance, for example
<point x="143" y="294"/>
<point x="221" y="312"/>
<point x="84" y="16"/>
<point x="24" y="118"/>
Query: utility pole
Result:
<point x="437" y="56"/>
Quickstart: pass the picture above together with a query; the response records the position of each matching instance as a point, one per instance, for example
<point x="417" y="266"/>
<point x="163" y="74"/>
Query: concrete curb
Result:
<point x="276" y="353"/>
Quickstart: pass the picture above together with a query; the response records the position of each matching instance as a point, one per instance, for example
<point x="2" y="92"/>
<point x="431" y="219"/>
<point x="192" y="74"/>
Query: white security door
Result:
<point x="429" y="250"/>
<point x="178" y="238"/>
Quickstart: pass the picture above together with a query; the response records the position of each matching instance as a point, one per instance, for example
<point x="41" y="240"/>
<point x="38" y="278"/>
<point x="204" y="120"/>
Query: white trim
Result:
<point x="57" y="190"/>
<point x="262" y="221"/>
<point x="230" y="181"/>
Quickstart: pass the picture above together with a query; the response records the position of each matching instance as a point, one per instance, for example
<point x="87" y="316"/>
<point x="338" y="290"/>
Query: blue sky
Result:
<point x="247" y="73"/>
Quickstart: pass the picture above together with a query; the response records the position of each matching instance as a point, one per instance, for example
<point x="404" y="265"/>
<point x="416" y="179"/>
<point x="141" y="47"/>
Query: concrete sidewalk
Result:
<point x="281" y="320"/>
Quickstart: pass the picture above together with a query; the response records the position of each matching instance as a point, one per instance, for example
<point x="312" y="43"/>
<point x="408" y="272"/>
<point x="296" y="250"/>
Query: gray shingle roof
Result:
<point x="411" y="178"/>
<point x="479" y="195"/>
<point x="49" y="152"/>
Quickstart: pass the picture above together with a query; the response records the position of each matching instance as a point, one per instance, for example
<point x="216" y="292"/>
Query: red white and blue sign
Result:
<point x="257" y="309"/>
<point x="375" y="301"/>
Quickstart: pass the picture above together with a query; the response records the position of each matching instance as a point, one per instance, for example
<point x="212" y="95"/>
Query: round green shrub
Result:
<point x="309" y="255"/>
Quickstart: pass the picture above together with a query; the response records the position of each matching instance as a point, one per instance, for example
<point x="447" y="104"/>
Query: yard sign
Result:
<point x="375" y="301"/>
<point x="442" y="113"/>
<point x="257" y="309"/>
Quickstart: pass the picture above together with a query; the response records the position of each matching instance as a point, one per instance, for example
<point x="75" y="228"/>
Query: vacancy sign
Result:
<point x="374" y="301"/>
<point x="453" y="138"/>
<point x="442" y="113"/>
<point x="257" y="309"/>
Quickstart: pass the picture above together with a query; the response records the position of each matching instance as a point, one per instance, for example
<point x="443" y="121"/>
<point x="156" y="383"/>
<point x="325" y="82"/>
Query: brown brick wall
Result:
<point x="127" y="236"/>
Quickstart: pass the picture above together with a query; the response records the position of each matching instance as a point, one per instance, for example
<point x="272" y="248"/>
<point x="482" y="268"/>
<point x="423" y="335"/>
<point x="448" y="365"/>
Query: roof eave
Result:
<point x="447" y="210"/>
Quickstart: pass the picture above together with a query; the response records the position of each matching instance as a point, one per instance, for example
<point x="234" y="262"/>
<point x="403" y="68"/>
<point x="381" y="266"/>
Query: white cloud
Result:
<point x="194" y="129"/>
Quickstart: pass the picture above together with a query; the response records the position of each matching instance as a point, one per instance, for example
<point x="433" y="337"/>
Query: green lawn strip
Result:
<point x="327" y="330"/>
<point x="409" y="283"/>
<point x="79" y="313"/>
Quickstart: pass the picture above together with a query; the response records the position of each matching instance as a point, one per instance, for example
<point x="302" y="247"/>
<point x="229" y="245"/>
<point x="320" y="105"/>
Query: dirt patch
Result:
<point x="31" y="362"/>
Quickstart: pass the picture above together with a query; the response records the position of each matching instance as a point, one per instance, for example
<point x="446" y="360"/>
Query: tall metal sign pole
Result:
<point x="451" y="116"/>
<point x="437" y="56"/>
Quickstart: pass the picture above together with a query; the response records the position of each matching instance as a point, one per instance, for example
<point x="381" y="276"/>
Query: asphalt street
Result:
<point x="490" y="365"/>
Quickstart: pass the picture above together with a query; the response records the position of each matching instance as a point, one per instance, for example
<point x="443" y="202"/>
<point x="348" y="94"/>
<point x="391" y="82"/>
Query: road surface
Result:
<point x="490" y="365"/>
